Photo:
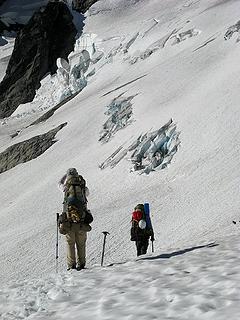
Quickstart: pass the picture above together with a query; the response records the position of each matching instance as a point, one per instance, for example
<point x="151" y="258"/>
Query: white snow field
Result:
<point x="199" y="282"/>
<point x="150" y="61"/>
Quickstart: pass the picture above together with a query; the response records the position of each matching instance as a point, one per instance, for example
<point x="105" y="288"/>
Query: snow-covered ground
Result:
<point x="199" y="282"/>
<point x="176" y="59"/>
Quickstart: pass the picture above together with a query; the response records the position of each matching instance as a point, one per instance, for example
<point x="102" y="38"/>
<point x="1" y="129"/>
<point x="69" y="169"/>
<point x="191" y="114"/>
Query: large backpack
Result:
<point x="138" y="213"/>
<point x="138" y="223"/>
<point x="64" y="223"/>
<point x="75" y="198"/>
<point x="140" y="229"/>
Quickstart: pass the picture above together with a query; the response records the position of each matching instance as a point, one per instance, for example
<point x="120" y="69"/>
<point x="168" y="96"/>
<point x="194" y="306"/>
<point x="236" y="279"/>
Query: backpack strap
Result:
<point x="83" y="188"/>
<point x="74" y="190"/>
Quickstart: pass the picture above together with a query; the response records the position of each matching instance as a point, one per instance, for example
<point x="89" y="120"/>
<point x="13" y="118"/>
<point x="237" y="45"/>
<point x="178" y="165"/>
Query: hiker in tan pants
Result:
<point x="76" y="236"/>
<point x="75" y="229"/>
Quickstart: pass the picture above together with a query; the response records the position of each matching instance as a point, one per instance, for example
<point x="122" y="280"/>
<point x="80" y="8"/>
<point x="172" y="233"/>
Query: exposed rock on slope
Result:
<point x="11" y="27"/>
<point x="49" y="34"/>
<point x="27" y="150"/>
<point x="15" y="14"/>
<point x="82" y="5"/>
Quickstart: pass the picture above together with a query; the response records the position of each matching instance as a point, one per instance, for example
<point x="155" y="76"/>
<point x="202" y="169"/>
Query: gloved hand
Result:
<point x="152" y="238"/>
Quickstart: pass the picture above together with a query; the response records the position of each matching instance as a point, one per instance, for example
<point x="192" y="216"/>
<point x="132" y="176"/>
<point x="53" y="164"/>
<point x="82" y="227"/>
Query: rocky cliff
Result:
<point x="49" y="34"/>
<point x="82" y="5"/>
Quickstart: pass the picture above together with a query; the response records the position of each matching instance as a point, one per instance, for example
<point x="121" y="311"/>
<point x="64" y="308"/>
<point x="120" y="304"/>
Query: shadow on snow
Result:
<point x="179" y="252"/>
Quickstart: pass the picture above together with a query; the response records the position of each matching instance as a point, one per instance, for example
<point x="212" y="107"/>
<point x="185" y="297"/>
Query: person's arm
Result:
<point x="61" y="183"/>
<point x="83" y="185"/>
<point x="87" y="191"/>
<point x="152" y="235"/>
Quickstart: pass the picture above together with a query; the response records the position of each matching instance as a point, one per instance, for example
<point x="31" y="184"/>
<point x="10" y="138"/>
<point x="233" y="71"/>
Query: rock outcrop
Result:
<point x="82" y="5"/>
<point x="27" y="150"/>
<point x="2" y="1"/>
<point x="10" y="27"/>
<point x="49" y="34"/>
<point x="13" y="17"/>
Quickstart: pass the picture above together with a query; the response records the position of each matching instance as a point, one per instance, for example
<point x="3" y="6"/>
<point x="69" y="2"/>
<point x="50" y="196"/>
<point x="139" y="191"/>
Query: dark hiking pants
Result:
<point x="142" y="246"/>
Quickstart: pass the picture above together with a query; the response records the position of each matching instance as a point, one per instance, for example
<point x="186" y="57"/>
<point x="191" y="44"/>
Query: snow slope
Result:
<point x="172" y="58"/>
<point x="170" y="285"/>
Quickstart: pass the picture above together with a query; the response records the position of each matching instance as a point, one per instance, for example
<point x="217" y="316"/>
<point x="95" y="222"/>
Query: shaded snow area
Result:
<point x="149" y="152"/>
<point x="6" y="48"/>
<point x="199" y="282"/>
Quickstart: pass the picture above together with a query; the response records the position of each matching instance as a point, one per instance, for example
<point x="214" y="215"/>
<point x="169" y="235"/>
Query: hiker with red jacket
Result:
<point x="140" y="231"/>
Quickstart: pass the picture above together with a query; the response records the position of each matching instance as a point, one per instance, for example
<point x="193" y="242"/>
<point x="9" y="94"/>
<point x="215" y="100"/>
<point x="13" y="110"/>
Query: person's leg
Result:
<point x="138" y="246"/>
<point x="81" y="237"/>
<point x="144" y="246"/>
<point x="71" y="257"/>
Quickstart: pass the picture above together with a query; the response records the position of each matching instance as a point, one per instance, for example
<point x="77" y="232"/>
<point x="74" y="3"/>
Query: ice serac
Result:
<point x="49" y="34"/>
<point x="82" y="5"/>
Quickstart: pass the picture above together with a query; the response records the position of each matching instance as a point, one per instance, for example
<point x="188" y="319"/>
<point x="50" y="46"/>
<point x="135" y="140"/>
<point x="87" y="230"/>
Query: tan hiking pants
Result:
<point x="76" y="237"/>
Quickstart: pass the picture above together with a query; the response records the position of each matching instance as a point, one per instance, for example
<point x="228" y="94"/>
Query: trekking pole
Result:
<point x="104" y="242"/>
<point x="57" y="245"/>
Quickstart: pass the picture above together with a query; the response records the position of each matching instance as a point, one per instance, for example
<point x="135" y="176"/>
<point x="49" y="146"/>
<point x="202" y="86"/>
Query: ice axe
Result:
<point x="104" y="243"/>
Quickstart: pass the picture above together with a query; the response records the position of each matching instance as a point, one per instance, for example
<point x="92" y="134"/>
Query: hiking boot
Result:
<point x="80" y="266"/>
<point x="71" y="267"/>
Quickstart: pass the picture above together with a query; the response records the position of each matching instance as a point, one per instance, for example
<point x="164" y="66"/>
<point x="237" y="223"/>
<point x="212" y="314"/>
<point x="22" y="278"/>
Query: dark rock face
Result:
<point x="27" y="150"/>
<point x="49" y="34"/>
<point x="11" y="27"/>
<point x="82" y="5"/>
<point x="15" y="27"/>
